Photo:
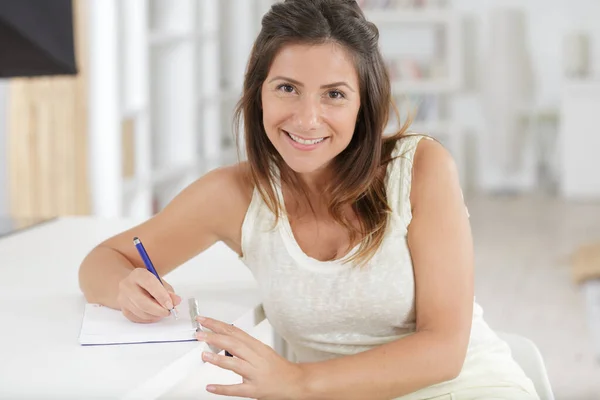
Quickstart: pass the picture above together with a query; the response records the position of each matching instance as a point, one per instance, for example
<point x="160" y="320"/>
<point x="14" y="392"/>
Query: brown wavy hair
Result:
<point x="359" y="170"/>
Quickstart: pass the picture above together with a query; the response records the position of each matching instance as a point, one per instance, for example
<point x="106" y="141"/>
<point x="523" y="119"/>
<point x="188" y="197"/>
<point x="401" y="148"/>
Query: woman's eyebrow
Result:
<point x="298" y="83"/>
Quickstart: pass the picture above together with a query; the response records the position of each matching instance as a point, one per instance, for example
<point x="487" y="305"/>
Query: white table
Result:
<point x="41" y="308"/>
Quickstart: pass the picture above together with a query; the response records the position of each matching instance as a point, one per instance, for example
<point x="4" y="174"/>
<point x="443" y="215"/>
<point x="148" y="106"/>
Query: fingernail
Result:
<point x="169" y="305"/>
<point x="211" y="388"/>
<point x="201" y="335"/>
<point x="208" y="356"/>
<point x="200" y="319"/>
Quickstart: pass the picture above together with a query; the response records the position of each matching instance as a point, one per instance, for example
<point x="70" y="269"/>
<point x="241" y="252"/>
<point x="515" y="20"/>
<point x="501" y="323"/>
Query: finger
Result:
<point x="175" y="298"/>
<point x="237" y="365"/>
<point x="223" y="328"/>
<point x="244" y="390"/>
<point x="145" y="302"/>
<point x="230" y="330"/>
<point x="146" y="316"/>
<point x="168" y="286"/>
<point x="136" y="296"/>
<point x="150" y="284"/>
<point x="136" y="315"/>
<point x="139" y="320"/>
<point x="229" y="343"/>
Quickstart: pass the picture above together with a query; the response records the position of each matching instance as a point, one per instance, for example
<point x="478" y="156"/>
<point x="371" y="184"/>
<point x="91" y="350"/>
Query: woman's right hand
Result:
<point x="143" y="299"/>
<point x="208" y="211"/>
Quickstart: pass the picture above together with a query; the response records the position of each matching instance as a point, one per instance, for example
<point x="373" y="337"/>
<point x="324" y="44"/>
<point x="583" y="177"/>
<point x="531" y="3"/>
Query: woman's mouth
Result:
<point x="302" y="143"/>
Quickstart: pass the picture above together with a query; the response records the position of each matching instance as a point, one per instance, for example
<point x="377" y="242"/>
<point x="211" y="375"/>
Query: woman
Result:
<point x="360" y="243"/>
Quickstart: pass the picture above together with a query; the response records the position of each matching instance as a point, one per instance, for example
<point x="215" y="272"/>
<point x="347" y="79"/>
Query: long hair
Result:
<point x="359" y="170"/>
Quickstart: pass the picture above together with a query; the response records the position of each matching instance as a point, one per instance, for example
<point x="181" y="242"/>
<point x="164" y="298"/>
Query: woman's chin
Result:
<point x="304" y="167"/>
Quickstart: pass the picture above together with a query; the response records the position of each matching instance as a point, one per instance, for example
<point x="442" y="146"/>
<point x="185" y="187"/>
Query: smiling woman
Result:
<point x="360" y="243"/>
<point x="325" y="99"/>
<point x="310" y="123"/>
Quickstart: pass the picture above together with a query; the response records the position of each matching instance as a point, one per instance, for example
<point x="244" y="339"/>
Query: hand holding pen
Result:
<point x="143" y="296"/>
<point x="150" y="267"/>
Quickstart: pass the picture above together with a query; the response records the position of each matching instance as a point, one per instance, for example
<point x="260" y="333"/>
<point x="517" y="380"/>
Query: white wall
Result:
<point x="549" y="21"/>
<point x="3" y="151"/>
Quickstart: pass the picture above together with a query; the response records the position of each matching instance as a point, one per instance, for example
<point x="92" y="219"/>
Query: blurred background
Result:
<point x="109" y="108"/>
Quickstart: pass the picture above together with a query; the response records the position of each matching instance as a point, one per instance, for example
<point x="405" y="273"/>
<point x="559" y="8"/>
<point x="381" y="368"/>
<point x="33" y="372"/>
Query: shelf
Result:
<point x="164" y="175"/>
<point x="134" y="113"/>
<point x="425" y="16"/>
<point x="168" y="174"/>
<point x="158" y="177"/>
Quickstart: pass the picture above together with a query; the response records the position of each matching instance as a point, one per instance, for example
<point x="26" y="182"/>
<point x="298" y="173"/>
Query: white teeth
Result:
<point x="302" y="141"/>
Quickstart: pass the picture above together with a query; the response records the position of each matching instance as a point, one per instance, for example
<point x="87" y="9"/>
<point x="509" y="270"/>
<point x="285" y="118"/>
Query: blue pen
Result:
<point x="149" y="266"/>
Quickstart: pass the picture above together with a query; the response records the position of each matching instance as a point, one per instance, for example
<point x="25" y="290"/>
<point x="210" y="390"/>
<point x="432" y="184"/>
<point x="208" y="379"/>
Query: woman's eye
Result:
<point x="286" y="88"/>
<point x="336" y="94"/>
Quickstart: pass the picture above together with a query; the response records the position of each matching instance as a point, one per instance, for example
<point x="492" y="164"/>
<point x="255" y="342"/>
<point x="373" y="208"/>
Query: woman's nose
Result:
<point x="308" y="114"/>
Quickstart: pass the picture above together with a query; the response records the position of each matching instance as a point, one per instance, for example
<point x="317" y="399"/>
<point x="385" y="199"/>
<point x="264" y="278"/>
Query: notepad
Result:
<point x="103" y="326"/>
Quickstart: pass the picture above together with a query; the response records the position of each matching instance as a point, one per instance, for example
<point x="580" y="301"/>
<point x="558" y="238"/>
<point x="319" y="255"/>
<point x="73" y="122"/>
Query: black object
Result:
<point x="228" y="354"/>
<point x="36" y="38"/>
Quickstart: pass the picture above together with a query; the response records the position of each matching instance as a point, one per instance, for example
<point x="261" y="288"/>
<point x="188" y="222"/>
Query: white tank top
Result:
<point x="327" y="309"/>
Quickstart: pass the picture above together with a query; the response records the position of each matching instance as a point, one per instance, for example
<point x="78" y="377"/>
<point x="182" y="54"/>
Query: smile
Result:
<point x="305" y="142"/>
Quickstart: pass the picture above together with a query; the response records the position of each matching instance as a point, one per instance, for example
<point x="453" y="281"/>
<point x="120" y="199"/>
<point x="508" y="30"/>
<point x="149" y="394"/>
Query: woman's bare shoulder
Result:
<point x="234" y="182"/>
<point x="435" y="175"/>
<point x="233" y="188"/>
<point x="229" y="187"/>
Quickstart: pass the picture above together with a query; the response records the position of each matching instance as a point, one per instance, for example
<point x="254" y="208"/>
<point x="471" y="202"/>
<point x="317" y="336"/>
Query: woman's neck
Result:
<point x="316" y="183"/>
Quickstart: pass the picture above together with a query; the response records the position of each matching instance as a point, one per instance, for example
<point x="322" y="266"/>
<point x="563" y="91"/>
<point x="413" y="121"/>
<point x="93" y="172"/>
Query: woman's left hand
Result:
<point x="266" y="375"/>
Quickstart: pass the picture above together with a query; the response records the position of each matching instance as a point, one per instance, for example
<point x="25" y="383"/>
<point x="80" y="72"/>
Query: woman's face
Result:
<point x="310" y="102"/>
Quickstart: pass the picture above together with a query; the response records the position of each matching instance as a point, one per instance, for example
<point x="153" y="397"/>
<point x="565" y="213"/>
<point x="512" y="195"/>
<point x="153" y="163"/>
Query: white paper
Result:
<point x="102" y="325"/>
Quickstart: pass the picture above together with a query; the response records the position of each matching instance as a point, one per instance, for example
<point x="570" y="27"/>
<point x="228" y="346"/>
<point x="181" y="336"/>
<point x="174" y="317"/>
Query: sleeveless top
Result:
<point x="327" y="309"/>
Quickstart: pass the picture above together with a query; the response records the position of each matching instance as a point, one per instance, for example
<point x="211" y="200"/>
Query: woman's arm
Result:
<point x="440" y="243"/>
<point x="209" y="210"/>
